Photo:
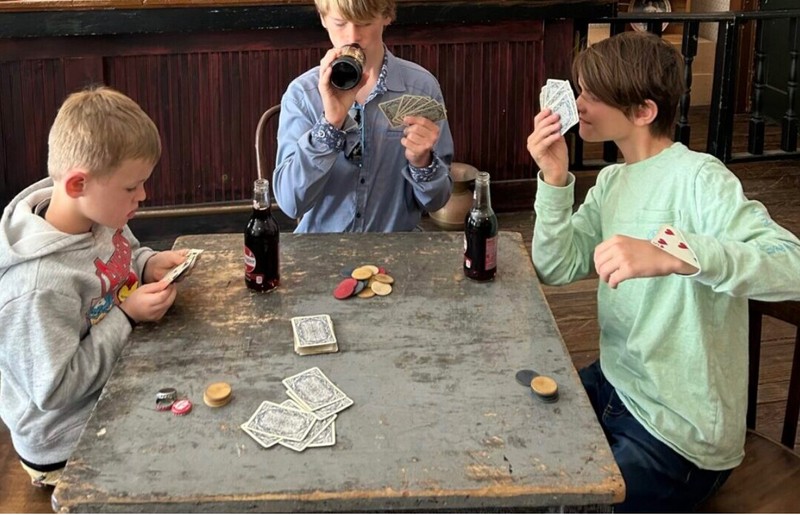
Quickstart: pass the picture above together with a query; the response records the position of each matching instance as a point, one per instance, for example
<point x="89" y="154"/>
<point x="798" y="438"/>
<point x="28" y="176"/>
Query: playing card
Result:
<point x="670" y="240"/>
<point x="390" y="107"/>
<point x="285" y="423"/>
<point x="180" y="270"/>
<point x="313" y="388"/>
<point x="262" y="439"/>
<point x="318" y="427"/>
<point x="412" y="105"/>
<point x="335" y="407"/>
<point x="557" y="95"/>
<point x="313" y="330"/>
<point x="326" y="437"/>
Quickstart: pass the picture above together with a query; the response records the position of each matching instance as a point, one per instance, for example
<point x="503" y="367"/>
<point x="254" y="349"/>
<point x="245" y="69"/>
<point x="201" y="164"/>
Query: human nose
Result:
<point x="579" y="102"/>
<point x="352" y="33"/>
<point x="142" y="194"/>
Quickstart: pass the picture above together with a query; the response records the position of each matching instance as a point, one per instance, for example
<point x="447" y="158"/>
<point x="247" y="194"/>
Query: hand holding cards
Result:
<point x="180" y="270"/>
<point x="412" y="105"/>
<point x="557" y="96"/>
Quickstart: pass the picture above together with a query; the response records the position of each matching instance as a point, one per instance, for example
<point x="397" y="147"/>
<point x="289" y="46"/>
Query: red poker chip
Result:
<point x="381" y="270"/>
<point x="345" y="288"/>
<point x="182" y="407"/>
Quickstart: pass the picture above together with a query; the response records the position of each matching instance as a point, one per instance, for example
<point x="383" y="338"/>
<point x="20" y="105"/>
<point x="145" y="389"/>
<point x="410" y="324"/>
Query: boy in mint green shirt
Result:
<point x="679" y="250"/>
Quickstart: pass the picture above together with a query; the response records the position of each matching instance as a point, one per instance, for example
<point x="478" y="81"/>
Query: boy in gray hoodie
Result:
<point x="73" y="279"/>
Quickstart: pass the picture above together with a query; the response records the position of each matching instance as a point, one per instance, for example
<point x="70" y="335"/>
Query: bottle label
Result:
<point x="249" y="260"/>
<point x="491" y="253"/>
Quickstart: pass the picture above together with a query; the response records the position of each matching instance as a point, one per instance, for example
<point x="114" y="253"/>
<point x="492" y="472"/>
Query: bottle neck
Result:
<point x="482" y="199"/>
<point x="261" y="199"/>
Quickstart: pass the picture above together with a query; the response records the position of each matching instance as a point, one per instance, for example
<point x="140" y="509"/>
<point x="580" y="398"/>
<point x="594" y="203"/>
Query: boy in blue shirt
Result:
<point x="679" y="250"/>
<point x="340" y="165"/>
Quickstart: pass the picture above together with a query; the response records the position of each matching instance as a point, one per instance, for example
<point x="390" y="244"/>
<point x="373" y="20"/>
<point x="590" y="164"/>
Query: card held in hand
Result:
<point x="671" y="241"/>
<point x="314" y="335"/>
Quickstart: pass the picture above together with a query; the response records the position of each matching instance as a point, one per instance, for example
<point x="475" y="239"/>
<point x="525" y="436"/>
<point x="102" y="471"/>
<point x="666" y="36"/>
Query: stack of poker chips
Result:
<point x="545" y="388"/>
<point x="364" y="281"/>
<point x="217" y="395"/>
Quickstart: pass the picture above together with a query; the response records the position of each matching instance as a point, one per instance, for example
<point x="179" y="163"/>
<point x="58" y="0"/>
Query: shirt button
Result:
<point x="358" y="215"/>
<point x="363" y="180"/>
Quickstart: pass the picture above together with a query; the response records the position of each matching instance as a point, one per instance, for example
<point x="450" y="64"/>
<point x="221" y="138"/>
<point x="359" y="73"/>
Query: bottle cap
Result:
<point x="167" y="394"/>
<point x="182" y="407"/>
<point x="164" y="404"/>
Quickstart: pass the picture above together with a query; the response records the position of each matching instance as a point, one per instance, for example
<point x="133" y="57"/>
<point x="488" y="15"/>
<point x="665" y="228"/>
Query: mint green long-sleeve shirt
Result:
<point x="674" y="347"/>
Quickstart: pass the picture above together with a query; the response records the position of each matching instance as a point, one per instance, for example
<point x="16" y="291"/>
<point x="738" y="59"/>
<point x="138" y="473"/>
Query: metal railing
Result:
<point x="721" y="110"/>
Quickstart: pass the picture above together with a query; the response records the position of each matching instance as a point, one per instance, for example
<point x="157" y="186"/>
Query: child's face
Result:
<point x="112" y="200"/>
<point x="369" y="36"/>
<point x="598" y="120"/>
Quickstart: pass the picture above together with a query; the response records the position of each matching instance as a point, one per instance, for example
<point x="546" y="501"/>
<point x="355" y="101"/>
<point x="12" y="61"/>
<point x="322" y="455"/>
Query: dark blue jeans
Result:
<point x="657" y="479"/>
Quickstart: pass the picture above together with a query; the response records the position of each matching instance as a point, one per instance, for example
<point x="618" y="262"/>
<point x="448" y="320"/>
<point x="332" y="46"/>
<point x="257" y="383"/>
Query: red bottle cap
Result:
<point x="182" y="407"/>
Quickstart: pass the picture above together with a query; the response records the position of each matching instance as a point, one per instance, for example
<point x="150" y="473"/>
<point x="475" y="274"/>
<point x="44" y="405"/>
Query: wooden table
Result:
<point x="439" y="422"/>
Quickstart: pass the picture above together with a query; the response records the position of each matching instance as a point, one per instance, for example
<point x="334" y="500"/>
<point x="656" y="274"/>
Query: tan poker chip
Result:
<point x="362" y="273"/>
<point x="381" y="288"/>
<point x="217" y="394"/>
<point x="543" y="385"/>
<point x="374" y="269"/>
<point x="366" y="293"/>
<point x="384" y="278"/>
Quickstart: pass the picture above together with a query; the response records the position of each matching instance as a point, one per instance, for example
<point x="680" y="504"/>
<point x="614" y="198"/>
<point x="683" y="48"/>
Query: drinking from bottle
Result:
<point x="480" y="234"/>
<point x="261" y="243"/>
<point x="346" y="69"/>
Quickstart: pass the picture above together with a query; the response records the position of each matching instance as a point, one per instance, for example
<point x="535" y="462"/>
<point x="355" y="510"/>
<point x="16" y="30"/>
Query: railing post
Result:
<point x="720" y="122"/>
<point x="789" y="125"/>
<point x="755" y="129"/>
<point x="689" y="50"/>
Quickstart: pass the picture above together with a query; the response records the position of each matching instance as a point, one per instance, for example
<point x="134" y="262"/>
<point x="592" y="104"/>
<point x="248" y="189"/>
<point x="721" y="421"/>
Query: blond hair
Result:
<point x="97" y="129"/>
<point x="358" y="11"/>
<point x="625" y="70"/>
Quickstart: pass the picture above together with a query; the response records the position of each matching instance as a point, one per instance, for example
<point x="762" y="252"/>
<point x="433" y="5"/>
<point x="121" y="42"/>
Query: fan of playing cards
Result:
<point x="304" y="420"/>
<point x="412" y="105"/>
<point x="557" y="95"/>
<point x="180" y="270"/>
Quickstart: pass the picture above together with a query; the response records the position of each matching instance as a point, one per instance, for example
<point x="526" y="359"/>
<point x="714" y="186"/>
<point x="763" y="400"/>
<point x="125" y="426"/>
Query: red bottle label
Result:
<point x="491" y="253"/>
<point x="249" y="261"/>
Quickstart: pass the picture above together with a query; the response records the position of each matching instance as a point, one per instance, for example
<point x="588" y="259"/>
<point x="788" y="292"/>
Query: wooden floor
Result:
<point x="776" y="184"/>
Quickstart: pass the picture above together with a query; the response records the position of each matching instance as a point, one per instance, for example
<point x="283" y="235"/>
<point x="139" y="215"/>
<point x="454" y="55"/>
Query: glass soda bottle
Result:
<point x="261" y="243"/>
<point x="480" y="233"/>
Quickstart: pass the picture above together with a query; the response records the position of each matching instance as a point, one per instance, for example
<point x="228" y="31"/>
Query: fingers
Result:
<point x="420" y="134"/>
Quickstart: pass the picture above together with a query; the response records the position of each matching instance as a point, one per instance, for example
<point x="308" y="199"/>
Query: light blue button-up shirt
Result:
<point x="320" y="178"/>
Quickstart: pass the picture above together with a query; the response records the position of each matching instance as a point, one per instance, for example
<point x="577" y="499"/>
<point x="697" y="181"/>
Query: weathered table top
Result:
<point x="439" y="422"/>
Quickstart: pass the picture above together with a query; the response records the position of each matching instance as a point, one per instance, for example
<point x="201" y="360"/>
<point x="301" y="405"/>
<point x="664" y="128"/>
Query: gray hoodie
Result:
<point x="60" y="330"/>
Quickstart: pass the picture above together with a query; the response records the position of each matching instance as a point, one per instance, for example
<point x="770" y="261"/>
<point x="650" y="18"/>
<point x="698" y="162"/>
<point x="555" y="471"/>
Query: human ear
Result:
<point x="322" y="21"/>
<point x="75" y="183"/>
<point x="645" y="113"/>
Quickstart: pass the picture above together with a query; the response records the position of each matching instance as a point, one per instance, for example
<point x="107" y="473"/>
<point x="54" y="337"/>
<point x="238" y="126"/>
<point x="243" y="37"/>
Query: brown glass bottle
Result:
<point x="480" y="234"/>
<point x="261" y="243"/>
<point x="346" y="69"/>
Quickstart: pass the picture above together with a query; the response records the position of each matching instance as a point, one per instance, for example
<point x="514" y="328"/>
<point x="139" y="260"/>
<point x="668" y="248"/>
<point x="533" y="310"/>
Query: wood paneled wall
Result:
<point x="206" y="93"/>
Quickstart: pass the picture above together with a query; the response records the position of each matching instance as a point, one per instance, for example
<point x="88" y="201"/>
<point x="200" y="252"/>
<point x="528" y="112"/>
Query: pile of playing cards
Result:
<point x="179" y="270"/>
<point x="306" y="419"/>
<point x="557" y="95"/>
<point x="412" y="105"/>
<point x="314" y="335"/>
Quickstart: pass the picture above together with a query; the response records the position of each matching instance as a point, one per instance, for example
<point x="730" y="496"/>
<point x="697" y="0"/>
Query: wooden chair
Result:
<point x="768" y="480"/>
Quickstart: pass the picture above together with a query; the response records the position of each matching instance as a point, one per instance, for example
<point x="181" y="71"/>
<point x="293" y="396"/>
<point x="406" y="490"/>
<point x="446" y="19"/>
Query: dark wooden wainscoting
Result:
<point x="206" y="93"/>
